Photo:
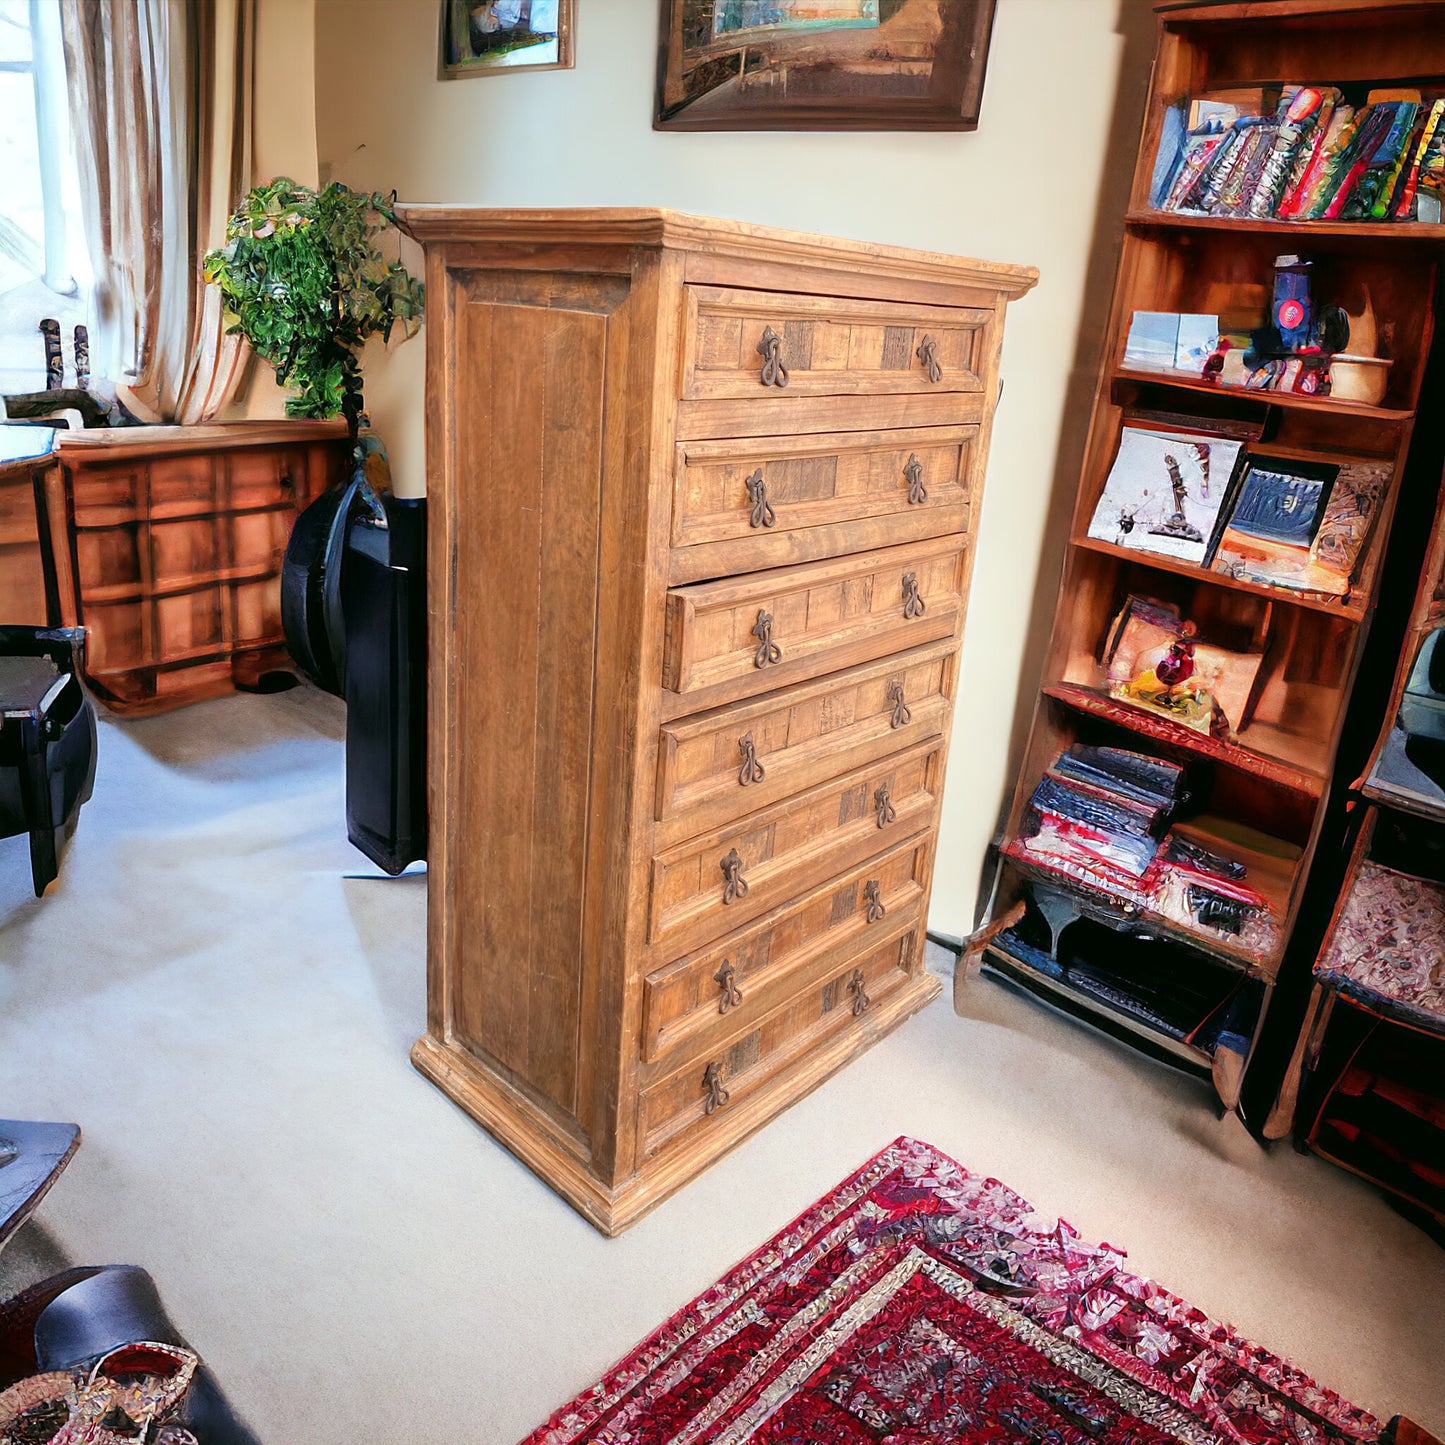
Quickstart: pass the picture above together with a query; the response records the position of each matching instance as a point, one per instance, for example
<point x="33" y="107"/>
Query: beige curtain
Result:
<point x="162" y="104"/>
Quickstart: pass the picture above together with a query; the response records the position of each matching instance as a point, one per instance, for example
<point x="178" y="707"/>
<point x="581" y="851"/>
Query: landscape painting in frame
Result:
<point x="822" y="64"/>
<point x="489" y="37"/>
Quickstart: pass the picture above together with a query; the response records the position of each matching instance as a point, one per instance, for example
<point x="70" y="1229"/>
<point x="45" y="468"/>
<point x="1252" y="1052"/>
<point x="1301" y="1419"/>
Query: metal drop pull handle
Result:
<point x="712" y="1081"/>
<point x="735" y="886"/>
<point x="861" y="1001"/>
<point x="886" y="812"/>
<point x="901" y="714"/>
<point x="770" y="348"/>
<point x="876" y="910"/>
<point x="913" y="604"/>
<point x="768" y="651"/>
<point x="762" y="513"/>
<point x="752" y="770"/>
<point x="913" y="472"/>
<point x="726" y="980"/>
<point x="928" y="355"/>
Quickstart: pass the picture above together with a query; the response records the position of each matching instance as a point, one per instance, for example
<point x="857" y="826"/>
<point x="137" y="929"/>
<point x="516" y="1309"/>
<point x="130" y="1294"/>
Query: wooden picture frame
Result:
<point x="871" y="65"/>
<point x="502" y="37"/>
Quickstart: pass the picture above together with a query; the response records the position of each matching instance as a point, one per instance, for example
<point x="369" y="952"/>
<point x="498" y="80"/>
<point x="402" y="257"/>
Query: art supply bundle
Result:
<point x="1304" y="153"/>
<point x="1107" y="817"/>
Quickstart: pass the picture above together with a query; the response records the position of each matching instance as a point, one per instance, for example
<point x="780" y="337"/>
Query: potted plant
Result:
<point x="307" y="285"/>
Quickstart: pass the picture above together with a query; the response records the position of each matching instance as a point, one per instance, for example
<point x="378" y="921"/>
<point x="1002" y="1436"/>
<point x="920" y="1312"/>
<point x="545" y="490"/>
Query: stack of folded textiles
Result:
<point x="1104" y="816"/>
<point x="1311" y="155"/>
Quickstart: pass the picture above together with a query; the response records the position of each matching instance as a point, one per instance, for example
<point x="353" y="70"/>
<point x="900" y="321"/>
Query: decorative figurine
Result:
<point x="1165" y="679"/>
<point x="82" y="357"/>
<point x="1177" y="524"/>
<point x="54" y="358"/>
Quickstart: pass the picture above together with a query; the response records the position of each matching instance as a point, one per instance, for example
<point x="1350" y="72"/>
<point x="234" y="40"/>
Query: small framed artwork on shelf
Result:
<point x="802" y="65"/>
<point x="505" y="35"/>
<point x="1164" y="491"/>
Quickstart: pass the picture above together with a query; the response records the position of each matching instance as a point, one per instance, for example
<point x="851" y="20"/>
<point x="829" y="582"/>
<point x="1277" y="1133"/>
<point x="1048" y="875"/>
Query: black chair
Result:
<point x="81" y="1313"/>
<point x="47" y="741"/>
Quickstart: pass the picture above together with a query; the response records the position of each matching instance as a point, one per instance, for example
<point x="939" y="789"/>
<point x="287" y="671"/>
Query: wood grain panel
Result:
<point x="679" y="1102"/>
<point x="762" y="490"/>
<point x="831" y="345"/>
<point x="824" y="615"/>
<point x="788" y="847"/>
<point x="779" y="953"/>
<point x="800" y="736"/>
<point x="526" y="601"/>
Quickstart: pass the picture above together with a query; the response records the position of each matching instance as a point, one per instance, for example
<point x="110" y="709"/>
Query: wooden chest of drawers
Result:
<point x="702" y="500"/>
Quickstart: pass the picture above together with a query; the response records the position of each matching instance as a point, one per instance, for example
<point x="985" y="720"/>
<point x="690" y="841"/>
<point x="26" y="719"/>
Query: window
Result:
<point x="44" y="269"/>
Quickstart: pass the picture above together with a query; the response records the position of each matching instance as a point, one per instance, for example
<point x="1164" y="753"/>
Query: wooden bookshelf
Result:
<point x="1274" y="774"/>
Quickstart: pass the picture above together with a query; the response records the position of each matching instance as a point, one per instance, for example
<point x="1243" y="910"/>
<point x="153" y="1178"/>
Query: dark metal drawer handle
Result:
<point x="913" y="471"/>
<point x="763" y="514"/>
<point x="751" y="770"/>
<point x="876" y="910"/>
<point x="861" y="1001"/>
<point x="735" y="886"/>
<point x="712" y="1081"/>
<point x="884" y="804"/>
<point x="901" y="714"/>
<point x="770" y="348"/>
<point x="725" y="979"/>
<point x="913" y="604"/>
<point x="768" y="650"/>
<point x="928" y="355"/>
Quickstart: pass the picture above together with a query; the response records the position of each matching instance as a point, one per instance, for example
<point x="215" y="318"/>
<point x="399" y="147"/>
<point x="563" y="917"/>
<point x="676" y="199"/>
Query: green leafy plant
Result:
<point x="303" y="276"/>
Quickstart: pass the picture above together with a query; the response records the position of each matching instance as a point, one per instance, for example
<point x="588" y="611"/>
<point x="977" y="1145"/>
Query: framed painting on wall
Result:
<point x="489" y="37"/>
<point x="821" y="64"/>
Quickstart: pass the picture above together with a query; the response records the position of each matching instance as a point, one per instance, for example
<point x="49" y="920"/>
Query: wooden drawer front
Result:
<point x="767" y="488"/>
<point x="772" y="856"/>
<point x="712" y="994"/>
<point x="107" y="496"/>
<point x="183" y="485"/>
<point x="830" y="345"/>
<point x="818" y="617"/>
<point x="718" y="765"/>
<point x="702" y="1091"/>
<point x="265" y="477"/>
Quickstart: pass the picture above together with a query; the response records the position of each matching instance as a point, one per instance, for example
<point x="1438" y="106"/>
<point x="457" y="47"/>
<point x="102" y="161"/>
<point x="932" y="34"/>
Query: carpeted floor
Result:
<point x="227" y="1015"/>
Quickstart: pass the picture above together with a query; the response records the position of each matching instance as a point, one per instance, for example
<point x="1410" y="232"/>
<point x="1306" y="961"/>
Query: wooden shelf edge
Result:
<point x="1080" y="1004"/>
<point x="1408" y="231"/>
<point x="1161" y="730"/>
<point x="1151" y="922"/>
<point x="1323" y="404"/>
<point x="1353" y="614"/>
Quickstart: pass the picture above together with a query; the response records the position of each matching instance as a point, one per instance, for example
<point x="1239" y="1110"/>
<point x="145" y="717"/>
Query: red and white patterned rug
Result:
<point x="920" y="1303"/>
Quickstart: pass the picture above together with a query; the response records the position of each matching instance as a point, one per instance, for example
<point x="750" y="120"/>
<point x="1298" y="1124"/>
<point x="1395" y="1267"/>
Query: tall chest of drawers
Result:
<point x="702" y="499"/>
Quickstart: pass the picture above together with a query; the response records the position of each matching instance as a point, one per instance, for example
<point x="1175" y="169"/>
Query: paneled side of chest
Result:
<point x="706" y="513"/>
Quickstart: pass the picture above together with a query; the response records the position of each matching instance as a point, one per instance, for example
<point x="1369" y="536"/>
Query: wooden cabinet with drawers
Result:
<point x="703" y="499"/>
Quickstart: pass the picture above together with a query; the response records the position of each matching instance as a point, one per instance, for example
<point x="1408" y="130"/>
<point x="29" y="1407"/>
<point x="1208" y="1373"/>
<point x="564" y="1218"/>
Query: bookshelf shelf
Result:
<point x="1258" y="761"/>
<point x="1185" y="382"/>
<point x="1391" y="234"/>
<point x="1079" y="1003"/>
<point x="1351" y="611"/>
<point x="1147" y="920"/>
<point x="1286" y="660"/>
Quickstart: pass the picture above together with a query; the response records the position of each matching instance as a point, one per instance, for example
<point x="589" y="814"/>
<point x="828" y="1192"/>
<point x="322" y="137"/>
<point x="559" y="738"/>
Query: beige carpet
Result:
<point x="228" y="1015"/>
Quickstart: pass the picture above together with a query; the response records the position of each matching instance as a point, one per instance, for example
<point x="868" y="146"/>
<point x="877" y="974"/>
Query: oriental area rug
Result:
<point x="920" y="1303"/>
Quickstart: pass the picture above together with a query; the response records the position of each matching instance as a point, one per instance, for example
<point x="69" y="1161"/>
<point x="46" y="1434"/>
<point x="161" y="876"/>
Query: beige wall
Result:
<point x="1024" y="187"/>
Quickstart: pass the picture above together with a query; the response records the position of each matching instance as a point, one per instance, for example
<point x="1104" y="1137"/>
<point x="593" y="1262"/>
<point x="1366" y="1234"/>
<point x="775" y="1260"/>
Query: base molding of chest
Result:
<point x="508" y="1118"/>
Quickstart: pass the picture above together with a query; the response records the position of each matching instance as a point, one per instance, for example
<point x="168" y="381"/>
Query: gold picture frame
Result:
<point x="504" y="36"/>
<point x="822" y="64"/>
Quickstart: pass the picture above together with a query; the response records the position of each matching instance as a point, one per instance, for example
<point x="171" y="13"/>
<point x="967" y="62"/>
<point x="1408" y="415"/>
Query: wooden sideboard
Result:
<point x="168" y="544"/>
<point x="703" y="499"/>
